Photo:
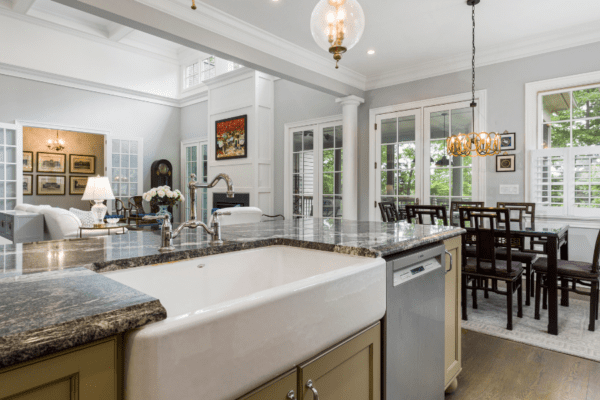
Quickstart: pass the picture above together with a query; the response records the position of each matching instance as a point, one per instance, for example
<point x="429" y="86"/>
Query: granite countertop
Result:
<point x="48" y="302"/>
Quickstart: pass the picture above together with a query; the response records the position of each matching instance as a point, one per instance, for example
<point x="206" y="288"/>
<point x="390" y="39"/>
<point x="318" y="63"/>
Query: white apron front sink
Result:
<point x="237" y="320"/>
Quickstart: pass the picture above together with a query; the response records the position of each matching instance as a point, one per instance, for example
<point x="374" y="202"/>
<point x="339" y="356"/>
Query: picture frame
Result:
<point x="27" y="185"/>
<point x="82" y="164"/>
<point x="231" y="138"/>
<point x="51" y="162"/>
<point x="51" y="185"/>
<point x="77" y="184"/>
<point x="505" y="163"/>
<point x="507" y="141"/>
<point x="27" y="161"/>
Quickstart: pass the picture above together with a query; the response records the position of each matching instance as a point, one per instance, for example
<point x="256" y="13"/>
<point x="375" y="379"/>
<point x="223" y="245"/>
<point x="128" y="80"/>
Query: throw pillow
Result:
<point x="86" y="217"/>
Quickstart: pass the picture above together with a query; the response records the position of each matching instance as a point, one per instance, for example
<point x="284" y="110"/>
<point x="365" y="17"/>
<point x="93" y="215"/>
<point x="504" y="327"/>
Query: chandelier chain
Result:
<point x="473" y="58"/>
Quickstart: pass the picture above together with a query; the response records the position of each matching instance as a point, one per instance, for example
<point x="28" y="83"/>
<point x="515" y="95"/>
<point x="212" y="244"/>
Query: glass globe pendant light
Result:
<point x="337" y="25"/>
<point x="474" y="144"/>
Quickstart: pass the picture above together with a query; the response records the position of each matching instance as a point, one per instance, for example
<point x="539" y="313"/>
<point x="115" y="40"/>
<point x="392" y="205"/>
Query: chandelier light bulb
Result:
<point x="330" y="18"/>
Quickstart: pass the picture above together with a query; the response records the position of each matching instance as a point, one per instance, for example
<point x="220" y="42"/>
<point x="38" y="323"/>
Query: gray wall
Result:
<point x="158" y="125"/>
<point x="194" y="121"/>
<point x="294" y="103"/>
<point x="505" y="85"/>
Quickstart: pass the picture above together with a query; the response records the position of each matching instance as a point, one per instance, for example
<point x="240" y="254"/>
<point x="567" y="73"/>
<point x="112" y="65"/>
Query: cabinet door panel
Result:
<point x="453" y="317"/>
<point x="277" y="389"/>
<point x="349" y="371"/>
<point x="88" y="372"/>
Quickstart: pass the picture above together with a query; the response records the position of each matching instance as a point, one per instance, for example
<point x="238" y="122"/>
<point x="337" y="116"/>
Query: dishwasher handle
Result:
<point x="451" y="262"/>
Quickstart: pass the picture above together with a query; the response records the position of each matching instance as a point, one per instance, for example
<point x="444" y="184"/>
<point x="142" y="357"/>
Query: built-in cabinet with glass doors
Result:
<point x="11" y="166"/>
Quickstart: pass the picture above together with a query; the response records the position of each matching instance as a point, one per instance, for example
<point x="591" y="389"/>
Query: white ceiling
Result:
<point x="80" y="22"/>
<point x="411" y="33"/>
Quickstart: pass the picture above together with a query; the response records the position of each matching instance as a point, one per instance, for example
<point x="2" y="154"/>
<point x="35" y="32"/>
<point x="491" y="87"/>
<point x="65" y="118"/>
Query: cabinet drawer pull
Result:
<point x="450" y="255"/>
<point x="309" y="385"/>
<point x="291" y="395"/>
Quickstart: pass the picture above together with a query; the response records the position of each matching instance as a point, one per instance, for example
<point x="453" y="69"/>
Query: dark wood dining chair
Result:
<point x="488" y="229"/>
<point x="517" y="214"/>
<point x="435" y="214"/>
<point x="136" y="210"/>
<point x="571" y="274"/>
<point x="389" y="213"/>
<point x="454" y="205"/>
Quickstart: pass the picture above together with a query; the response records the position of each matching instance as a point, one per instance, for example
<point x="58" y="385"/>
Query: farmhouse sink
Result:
<point x="237" y="320"/>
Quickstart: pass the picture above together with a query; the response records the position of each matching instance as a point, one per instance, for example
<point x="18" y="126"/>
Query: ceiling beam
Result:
<point x="155" y="22"/>
<point x="117" y="32"/>
<point x="22" y="6"/>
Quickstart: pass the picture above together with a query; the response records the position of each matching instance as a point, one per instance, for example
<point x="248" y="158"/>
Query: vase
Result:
<point x="163" y="209"/>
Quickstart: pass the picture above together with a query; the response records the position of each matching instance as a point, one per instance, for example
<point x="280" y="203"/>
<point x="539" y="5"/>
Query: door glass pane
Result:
<point x="303" y="189"/>
<point x="11" y="172"/>
<point x="11" y="155"/>
<point x="133" y="162"/>
<point x="11" y="137"/>
<point x="116" y="160"/>
<point x="124" y="146"/>
<point x="332" y="166"/>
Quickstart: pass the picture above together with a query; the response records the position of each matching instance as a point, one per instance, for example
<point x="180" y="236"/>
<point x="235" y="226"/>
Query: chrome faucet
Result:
<point x="167" y="234"/>
<point x="193" y="185"/>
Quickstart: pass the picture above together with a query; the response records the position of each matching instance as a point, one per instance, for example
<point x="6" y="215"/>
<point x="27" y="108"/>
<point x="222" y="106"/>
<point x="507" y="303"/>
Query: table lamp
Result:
<point x="98" y="189"/>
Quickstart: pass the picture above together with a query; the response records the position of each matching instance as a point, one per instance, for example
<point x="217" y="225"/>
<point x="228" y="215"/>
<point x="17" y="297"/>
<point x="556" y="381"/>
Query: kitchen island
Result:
<point x="48" y="259"/>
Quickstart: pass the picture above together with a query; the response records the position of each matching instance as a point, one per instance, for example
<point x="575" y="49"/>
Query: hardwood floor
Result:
<point x="499" y="369"/>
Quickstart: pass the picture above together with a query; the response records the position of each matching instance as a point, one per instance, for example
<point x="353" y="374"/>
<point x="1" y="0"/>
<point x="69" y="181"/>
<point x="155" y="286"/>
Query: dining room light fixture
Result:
<point x="56" y="144"/>
<point x="337" y="25"/>
<point x="473" y="144"/>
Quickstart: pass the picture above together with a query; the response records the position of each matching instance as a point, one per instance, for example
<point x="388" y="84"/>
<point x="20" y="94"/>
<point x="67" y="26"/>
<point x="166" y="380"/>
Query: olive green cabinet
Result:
<point x="350" y="370"/>
<point x="453" y="314"/>
<point x="89" y="372"/>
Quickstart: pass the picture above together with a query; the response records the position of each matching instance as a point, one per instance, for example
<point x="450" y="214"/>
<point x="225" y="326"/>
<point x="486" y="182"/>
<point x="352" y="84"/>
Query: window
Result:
<point x="565" y="164"/>
<point x="209" y="69"/>
<point x="192" y="76"/>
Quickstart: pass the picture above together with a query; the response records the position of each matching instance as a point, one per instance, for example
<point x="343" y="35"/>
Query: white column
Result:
<point x="350" y="168"/>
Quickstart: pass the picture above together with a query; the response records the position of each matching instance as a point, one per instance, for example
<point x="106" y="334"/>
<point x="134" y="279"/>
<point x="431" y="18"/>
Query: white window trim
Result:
<point x="533" y="138"/>
<point x="288" y="159"/>
<point x="480" y="95"/>
<point x="186" y="179"/>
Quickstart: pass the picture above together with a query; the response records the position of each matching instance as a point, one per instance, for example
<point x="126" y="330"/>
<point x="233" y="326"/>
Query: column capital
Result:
<point x="350" y="100"/>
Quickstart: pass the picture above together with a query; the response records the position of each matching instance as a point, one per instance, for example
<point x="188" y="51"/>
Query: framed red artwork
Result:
<point x="231" y="138"/>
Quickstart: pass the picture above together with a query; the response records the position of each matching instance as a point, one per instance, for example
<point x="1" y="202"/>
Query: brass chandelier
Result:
<point x="56" y="144"/>
<point x="474" y="144"/>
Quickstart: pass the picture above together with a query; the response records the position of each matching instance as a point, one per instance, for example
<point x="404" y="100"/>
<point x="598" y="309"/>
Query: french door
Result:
<point x="411" y="160"/>
<point x="11" y="166"/>
<point x="194" y="160"/>
<point x="316" y="171"/>
<point x="126" y="166"/>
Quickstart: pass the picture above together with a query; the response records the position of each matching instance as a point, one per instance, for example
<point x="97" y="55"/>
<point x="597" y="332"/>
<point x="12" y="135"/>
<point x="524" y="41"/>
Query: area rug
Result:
<point x="573" y="338"/>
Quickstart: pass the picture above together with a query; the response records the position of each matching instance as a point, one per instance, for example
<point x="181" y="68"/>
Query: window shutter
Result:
<point x="548" y="180"/>
<point x="584" y="181"/>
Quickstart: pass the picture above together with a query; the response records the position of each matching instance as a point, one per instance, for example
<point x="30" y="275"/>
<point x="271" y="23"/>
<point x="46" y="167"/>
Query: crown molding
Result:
<point x="224" y="24"/>
<point x="557" y="40"/>
<point x="55" y="79"/>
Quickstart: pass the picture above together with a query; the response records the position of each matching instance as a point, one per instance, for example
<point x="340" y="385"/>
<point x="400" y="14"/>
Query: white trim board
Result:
<point x="481" y="95"/>
<point x="75" y="83"/>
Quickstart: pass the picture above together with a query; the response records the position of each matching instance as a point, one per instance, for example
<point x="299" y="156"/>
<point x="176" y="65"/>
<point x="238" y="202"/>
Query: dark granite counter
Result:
<point x="44" y="313"/>
<point x="49" y="303"/>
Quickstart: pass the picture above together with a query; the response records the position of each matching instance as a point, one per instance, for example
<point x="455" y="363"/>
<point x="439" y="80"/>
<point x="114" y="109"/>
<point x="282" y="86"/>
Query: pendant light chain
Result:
<point x="473" y="58"/>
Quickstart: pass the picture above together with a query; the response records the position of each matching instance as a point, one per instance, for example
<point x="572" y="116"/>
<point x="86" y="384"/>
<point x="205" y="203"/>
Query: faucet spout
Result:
<point x="193" y="185"/>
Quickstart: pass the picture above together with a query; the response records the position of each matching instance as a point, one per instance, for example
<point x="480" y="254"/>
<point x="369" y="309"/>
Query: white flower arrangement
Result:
<point x="163" y="195"/>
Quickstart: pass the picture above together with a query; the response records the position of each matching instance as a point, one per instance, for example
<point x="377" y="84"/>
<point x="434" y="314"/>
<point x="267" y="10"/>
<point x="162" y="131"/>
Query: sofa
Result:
<point x="60" y="223"/>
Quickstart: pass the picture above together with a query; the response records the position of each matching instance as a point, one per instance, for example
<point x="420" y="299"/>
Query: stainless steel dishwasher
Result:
<point x="414" y="325"/>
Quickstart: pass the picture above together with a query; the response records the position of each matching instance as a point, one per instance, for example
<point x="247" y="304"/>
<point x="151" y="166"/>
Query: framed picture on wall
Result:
<point x="507" y="141"/>
<point x="28" y="161"/>
<point x="27" y="185"/>
<point x="505" y="163"/>
<point x="51" y="162"/>
<point x="231" y="138"/>
<point x="51" y="185"/>
<point x="79" y="164"/>
<point x="77" y="184"/>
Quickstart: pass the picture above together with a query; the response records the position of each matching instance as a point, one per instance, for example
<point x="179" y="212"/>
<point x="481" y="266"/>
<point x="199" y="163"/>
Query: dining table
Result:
<point x="549" y="239"/>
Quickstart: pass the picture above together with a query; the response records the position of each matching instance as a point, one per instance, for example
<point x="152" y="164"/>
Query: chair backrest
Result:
<point x="487" y="229"/>
<point x="596" y="254"/>
<point x="389" y="213"/>
<point x="404" y="201"/>
<point x="520" y="210"/>
<point x="137" y="204"/>
<point x="434" y="213"/>
<point x="454" y="205"/>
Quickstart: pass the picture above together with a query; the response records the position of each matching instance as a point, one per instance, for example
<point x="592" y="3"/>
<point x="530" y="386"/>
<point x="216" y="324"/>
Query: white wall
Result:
<point x="194" y="121"/>
<point x="158" y="125"/>
<point x="34" y="46"/>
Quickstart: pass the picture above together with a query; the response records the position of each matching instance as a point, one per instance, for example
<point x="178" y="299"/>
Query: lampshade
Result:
<point x="98" y="188"/>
